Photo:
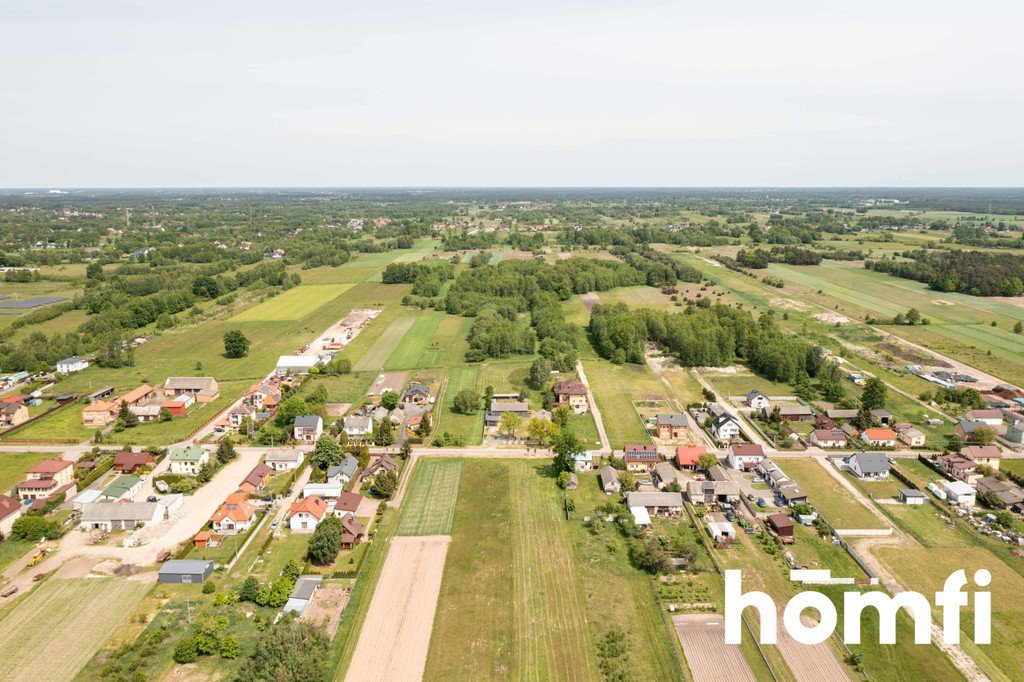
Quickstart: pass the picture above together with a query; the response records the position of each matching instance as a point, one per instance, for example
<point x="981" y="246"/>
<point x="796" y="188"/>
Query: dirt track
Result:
<point x="709" y="658"/>
<point x="394" y="639"/>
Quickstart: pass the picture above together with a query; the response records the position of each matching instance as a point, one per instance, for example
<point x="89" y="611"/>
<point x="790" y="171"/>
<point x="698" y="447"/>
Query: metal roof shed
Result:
<point x="185" y="571"/>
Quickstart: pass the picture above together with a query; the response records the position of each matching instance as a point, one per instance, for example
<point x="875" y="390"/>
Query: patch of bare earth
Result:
<point x="707" y="654"/>
<point x="395" y="637"/>
<point x="590" y="299"/>
<point x="832" y="318"/>
<point x="326" y="606"/>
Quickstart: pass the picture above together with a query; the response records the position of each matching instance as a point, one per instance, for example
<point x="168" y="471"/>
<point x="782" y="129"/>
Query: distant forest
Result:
<point x="968" y="272"/>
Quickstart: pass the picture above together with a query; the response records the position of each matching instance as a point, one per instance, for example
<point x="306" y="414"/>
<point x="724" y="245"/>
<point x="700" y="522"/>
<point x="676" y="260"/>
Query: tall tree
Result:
<point x="236" y="345"/>
<point x="874" y="394"/>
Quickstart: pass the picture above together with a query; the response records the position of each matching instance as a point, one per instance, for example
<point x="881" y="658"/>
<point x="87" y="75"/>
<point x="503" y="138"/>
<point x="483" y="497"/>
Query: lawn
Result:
<point x="293" y="304"/>
<point x="416" y="349"/>
<point x="72" y="617"/>
<point x="12" y="550"/>
<point x="467" y="426"/>
<point x="925" y="569"/>
<point x="615" y="387"/>
<point x="741" y="384"/>
<point x="63" y="423"/>
<point x="377" y="355"/>
<point x="830" y="498"/>
<point x="429" y="506"/>
<point x="14" y="464"/>
<point x="523" y="597"/>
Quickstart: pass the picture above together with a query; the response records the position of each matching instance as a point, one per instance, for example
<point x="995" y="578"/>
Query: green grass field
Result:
<point x="835" y="502"/>
<point x="415" y="347"/>
<point x="377" y="355"/>
<point x="14" y="464"/>
<point x="741" y="384"/>
<point x="521" y="597"/>
<point x="468" y="426"/>
<point x="429" y="506"/>
<point x="615" y="387"/>
<point x="72" y="617"/>
<point x="293" y="304"/>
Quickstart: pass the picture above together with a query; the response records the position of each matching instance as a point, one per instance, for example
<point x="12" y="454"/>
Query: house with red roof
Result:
<point x="130" y="462"/>
<point x="236" y="515"/>
<point x="882" y="438"/>
<point x="60" y="470"/>
<point x="10" y="510"/>
<point x="688" y="456"/>
<point x="305" y="514"/>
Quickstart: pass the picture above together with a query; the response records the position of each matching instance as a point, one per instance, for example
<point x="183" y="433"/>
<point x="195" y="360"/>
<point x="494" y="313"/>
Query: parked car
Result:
<point x="152" y="498"/>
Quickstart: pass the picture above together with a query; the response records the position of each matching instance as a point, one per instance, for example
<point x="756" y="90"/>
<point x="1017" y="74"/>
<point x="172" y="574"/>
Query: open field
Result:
<point x="828" y="496"/>
<point x="429" y="507"/>
<point x="707" y="654"/>
<point x="468" y="426"/>
<point x="615" y="387"/>
<point x="72" y="617"/>
<point x="293" y="304"/>
<point x="415" y="347"/>
<point x="527" y="594"/>
<point x="741" y="384"/>
<point x="925" y="569"/>
<point x="394" y="638"/>
<point x="376" y="356"/>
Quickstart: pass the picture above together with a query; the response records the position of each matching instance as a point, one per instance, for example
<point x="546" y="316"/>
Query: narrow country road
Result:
<point x="594" y="410"/>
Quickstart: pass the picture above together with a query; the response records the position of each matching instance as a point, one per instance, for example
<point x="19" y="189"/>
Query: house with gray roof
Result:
<point x="658" y="504"/>
<point x="344" y="472"/>
<point x="610" y="480"/>
<point x="663" y="474"/>
<point x="870" y="466"/>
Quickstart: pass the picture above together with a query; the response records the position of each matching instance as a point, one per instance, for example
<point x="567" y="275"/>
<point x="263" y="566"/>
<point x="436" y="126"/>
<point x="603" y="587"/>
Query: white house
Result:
<point x="325" y="491"/>
<point x="756" y="400"/>
<point x="188" y="460"/>
<point x="725" y="428"/>
<point x="959" y="493"/>
<point x="744" y="456"/>
<point x="584" y="461"/>
<point x="871" y="466"/>
<point x="308" y="428"/>
<point x="357" y="426"/>
<point x="284" y="460"/>
<point x="340" y="474"/>
<point x="305" y="514"/>
<point x="828" y="438"/>
<point x="72" y="364"/>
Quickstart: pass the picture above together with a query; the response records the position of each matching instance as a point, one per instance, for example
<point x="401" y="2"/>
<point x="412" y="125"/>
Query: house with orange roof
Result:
<point x="99" y="413"/>
<point x="236" y="515"/>
<point x="688" y="456"/>
<point x="135" y="396"/>
<point x="881" y="438"/>
<point x="60" y="470"/>
<point x="305" y="514"/>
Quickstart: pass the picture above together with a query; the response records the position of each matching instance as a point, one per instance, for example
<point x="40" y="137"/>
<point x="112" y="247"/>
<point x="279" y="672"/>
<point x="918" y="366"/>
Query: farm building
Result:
<point x="744" y="456"/>
<point x="185" y="571"/>
<point x="325" y="491"/>
<point x="910" y="436"/>
<point x="659" y="504"/>
<point x="202" y="389"/>
<point x="791" y="413"/>
<point x="302" y="594"/>
<point x="959" y="493"/>
<point x="135" y="396"/>
<point x="712" y="492"/>
<point x="130" y="462"/>
<point x="883" y="417"/>
<point x="610" y="480"/>
<point x="782" y="525"/>
<point x="664" y="474"/>
<point x="720" y="529"/>
<point x="295" y="364"/>
<point x="123" y="516"/>
<point x="911" y="497"/>
<point x="791" y="494"/>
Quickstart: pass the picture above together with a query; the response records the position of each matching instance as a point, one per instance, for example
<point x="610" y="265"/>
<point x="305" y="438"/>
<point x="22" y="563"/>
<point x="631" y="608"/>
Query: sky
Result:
<point x="555" y="93"/>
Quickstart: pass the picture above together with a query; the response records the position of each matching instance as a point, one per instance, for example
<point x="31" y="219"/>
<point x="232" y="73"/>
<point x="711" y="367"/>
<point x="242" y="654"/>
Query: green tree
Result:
<point x="226" y="451"/>
<point x="185" y="650"/>
<point x="384" y="433"/>
<point x="35" y="528"/>
<point x="289" y="409"/>
<point x="385" y="484"/>
<point x="327" y="452"/>
<point x="250" y="590"/>
<point x="561" y="415"/>
<point x="566" y="445"/>
<point x="1018" y="328"/>
<point x="325" y="542"/>
<point x="541" y="431"/>
<point x="874" y="394"/>
<point x="467" y="401"/>
<point x="236" y="345"/>
<point x="707" y="460"/>
<point x="230" y="647"/>
<point x="389" y="400"/>
<point x="509" y="423"/>
<point x="290" y="650"/>
<point x="628" y="481"/>
<point x="540" y="372"/>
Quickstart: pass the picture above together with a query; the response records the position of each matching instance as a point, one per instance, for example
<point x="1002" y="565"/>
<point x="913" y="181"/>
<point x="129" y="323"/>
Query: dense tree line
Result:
<point x="978" y="273"/>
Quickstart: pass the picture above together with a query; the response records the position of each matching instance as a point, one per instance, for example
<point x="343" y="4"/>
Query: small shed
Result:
<point x="910" y="496"/>
<point x="782" y="525"/>
<point x="185" y="571"/>
<point x="574" y="481"/>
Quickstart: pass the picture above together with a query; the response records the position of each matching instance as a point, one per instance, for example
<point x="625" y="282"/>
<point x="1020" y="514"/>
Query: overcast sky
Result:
<point x="564" y="93"/>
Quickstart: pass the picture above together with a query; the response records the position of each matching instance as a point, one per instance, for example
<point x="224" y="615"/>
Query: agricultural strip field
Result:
<point x="467" y="426"/>
<point x="429" y="507"/>
<point x="414" y="349"/>
<point x="527" y="594"/>
<point x="378" y="354"/>
<point x="615" y="387"/>
<point x="395" y="637"/>
<point x="828" y="496"/>
<point x="925" y="570"/>
<point x="293" y="304"/>
<point x="60" y="625"/>
<point x="707" y="654"/>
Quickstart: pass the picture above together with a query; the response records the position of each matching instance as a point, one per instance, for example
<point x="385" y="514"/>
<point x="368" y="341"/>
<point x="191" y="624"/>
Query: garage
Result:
<point x="185" y="571"/>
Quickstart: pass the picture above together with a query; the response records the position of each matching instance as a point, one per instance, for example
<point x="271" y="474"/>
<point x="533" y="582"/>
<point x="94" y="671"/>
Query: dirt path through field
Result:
<point x="395" y="637"/>
<point x="598" y="421"/>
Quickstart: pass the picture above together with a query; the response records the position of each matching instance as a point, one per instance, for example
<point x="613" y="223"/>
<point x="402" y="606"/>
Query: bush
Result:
<point x="186" y="651"/>
<point x="35" y="528"/>
<point x="467" y="401"/>
<point x="209" y="587"/>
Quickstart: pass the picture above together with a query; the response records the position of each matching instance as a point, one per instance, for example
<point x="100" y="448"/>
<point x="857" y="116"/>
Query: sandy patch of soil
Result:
<point x="832" y="318"/>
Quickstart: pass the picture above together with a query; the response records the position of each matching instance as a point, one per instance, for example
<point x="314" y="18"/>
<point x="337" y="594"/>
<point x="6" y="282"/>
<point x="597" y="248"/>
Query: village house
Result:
<point x="828" y="438"/>
<point x="380" y="465"/>
<point x="870" y="466"/>
<point x="990" y="417"/>
<point x="724" y="428"/>
<point x="572" y="394"/>
<point x="71" y="365"/>
<point x="256" y="479"/>
<point x="880" y="438"/>
<point x="188" y="460"/>
<point x="60" y="470"/>
<point x="239" y="413"/>
<point x="37" y="488"/>
<point x="124" y="489"/>
<point x="970" y="431"/>
<point x="263" y="396"/>
<point x="352" y="532"/>
<point x="357" y="426"/>
<point x="658" y="504"/>
<point x="640" y="457"/>
<point x="347" y="503"/>
<point x="416" y="394"/>
<point x="663" y="475"/>
<point x="129" y="462"/>
<point x="989" y="455"/>
<point x="756" y="400"/>
<point x="11" y="510"/>
<point x="13" y="414"/>
<point x="305" y="514"/>
<point x="308" y="428"/>
<point x="712" y="492"/>
<point x="610" y="480"/>
<point x="744" y="456"/>
<point x="688" y="456"/>
<point x="145" y="413"/>
<point x="671" y="426"/>
<point x="959" y="467"/>
<point x="341" y="474"/>
<point x="284" y="460"/>
<point x="236" y="515"/>
<point x="910" y="435"/>
<point x="99" y="413"/>
<point x="583" y="461"/>
<point x="1009" y="494"/>
<point x="202" y="389"/>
